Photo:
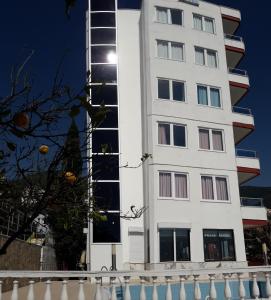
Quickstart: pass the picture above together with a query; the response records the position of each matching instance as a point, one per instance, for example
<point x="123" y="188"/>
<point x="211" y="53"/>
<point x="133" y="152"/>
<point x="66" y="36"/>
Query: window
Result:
<point x="204" y="23"/>
<point x="169" y="16"/>
<point x="107" y="231"/>
<point x="171" y="90"/>
<point x="218" y="245"/>
<point x="211" y="139"/>
<point x="173" y="185"/>
<point x="103" y="19"/>
<point x="174" y="244"/>
<point x="170" y="50"/>
<point x="172" y="134"/>
<point x="206" y="57"/>
<point x="208" y="96"/>
<point x="214" y="188"/>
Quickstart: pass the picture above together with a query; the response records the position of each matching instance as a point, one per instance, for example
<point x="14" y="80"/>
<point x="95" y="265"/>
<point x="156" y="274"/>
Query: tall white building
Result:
<point x="166" y="70"/>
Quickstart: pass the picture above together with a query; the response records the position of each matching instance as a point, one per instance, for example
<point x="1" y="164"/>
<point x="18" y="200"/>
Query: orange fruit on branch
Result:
<point x="43" y="149"/>
<point x="21" y="119"/>
<point x="70" y="177"/>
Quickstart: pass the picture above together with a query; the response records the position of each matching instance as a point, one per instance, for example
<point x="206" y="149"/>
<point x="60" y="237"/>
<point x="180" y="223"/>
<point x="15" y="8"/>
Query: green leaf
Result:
<point x="11" y="146"/>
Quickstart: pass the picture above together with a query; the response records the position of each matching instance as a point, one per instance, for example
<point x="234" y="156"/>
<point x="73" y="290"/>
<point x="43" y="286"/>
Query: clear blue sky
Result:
<point x="43" y="27"/>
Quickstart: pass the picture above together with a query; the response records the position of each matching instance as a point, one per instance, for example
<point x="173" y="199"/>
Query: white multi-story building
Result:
<point x="166" y="70"/>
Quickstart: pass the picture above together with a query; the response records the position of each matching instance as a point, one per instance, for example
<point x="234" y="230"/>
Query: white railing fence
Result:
<point x="143" y="280"/>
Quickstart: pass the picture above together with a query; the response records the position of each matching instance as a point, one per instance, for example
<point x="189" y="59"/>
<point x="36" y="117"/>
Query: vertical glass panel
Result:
<point x="178" y="91"/>
<point x="209" y="25"/>
<point x="212" y="250"/>
<point x="181" y="186"/>
<point x="197" y="22"/>
<point x="166" y="245"/>
<point x="217" y="140"/>
<point x="103" y="19"/>
<point x="104" y="94"/>
<point x="107" y="231"/>
<point x="165" y="185"/>
<point x="164" y="134"/>
<point x="204" y="140"/>
<point x="179" y="135"/>
<point x="215" y="97"/>
<point x="105" y="141"/>
<point x="176" y="17"/>
<point x="103" y="54"/>
<point x="105" y="167"/>
<point x="200" y="60"/>
<point x="177" y="51"/>
<point x="106" y="195"/>
<point x="163" y="89"/>
<point x="182" y="244"/>
<point x="102" y="5"/>
<point x="162" y="49"/>
<point x="103" y="36"/>
<point x="222" y="188"/>
<point x="161" y="14"/>
<point x="211" y="59"/>
<point x="109" y="119"/>
<point x="202" y="95"/>
<point x="207" y="187"/>
<point x="103" y="73"/>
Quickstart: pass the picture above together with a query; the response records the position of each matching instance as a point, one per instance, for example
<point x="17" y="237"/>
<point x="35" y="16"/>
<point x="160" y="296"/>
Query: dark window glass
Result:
<point x="179" y="135"/>
<point x="104" y="94"/>
<point x="182" y="244"/>
<point x="103" y="20"/>
<point x="104" y="74"/>
<point x="105" y="167"/>
<point x="105" y="141"/>
<point x="163" y="89"/>
<point x="106" y="195"/>
<point x="176" y="17"/>
<point x="101" y="54"/>
<point x="166" y="245"/>
<point x="103" y="36"/>
<point x="178" y="91"/>
<point x="107" y="231"/>
<point x="218" y="245"/>
<point x="100" y="5"/>
<point x="108" y="119"/>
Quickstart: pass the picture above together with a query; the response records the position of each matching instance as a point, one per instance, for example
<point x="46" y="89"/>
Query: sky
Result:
<point x="42" y="26"/>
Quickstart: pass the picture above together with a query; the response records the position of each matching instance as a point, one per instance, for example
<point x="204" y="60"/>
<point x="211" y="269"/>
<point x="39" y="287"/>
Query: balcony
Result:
<point x="235" y="49"/>
<point x="248" y="165"/>
<point x="243" y="123"/>
<point x="239" y="84"/>
<point x="253" y="212"/>
<point x="231" y="19"/>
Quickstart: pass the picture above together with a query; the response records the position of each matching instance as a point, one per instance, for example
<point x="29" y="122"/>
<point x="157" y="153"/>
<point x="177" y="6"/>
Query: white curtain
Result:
<point x="164" y="134"/>
<point x="204" y="142"/>
<point x="209" y="25"/>
<point x="162" y="16"/>
<point x="162" y="48"/>
<point x="200" y="56"/>
<point x="198" y="22"/>
<point x="165" y="185"/>
<point x="180" y="186"/>
<point x="217" y="140"/>
<point x="176" y="51"/>
<point x="202" y="95"/>
<point x="221" y="188"/>
<point x="207" y="187"/>
<point x="215" y="97"/>
<point x="211" y="59"/>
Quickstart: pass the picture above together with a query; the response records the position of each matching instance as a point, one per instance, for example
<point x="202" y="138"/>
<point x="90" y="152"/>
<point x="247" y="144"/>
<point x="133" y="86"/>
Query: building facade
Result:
<point x="166" y="70"/>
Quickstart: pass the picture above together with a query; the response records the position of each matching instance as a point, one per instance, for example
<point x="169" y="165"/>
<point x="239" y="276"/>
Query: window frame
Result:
<point x="175" y="244"/>
<point x="205" y="51"/>
<point x="172" y="184"/>
<point x="169" y="15"/>
<point x="203" y="18"/>
<point x="209" y="87"/>
<point x="210" y="133"/>
<point x="171" y="89"/>
<point x="170" y="50"/>
<point x="171" y="131"/>
<point x="215" y="200"/>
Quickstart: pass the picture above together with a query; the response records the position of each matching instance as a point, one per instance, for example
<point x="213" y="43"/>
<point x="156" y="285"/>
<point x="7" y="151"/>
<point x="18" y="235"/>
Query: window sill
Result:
<point x="212" y="68"/>
<point x="173" y="199"/>
<point x="170" y="24"/>
<point x="215" y="201"/>
<point x="212" y="151"/>
<point x="172" y="146"/>
<point x="203" y="31"/>
<point x="170" y="100"/>
<point x="210" y="106"/>
<point x="170" y="59"/>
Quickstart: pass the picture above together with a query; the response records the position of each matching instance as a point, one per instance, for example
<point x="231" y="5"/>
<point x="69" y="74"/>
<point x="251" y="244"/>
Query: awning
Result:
<point x="254" y="223"/>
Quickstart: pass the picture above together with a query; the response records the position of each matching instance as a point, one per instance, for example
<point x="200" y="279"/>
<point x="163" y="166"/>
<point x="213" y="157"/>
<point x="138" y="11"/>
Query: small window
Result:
<point x="179" y="135"/>
<point x="101" y="54"/>
<point x="104" y="74"/>
<point x="206" y="57"/>
<point x="169" y="16"/>
<point x="104" y="94"/>
<point x="164" y="134"/>
<point x="204" y="23"/>
<point x="173" y="185"/>
<point x="105" y="167"/>
<point x="102" y="19"/>
<point x="105" y="5"/>
<point x="214" y="188"/>
<point x="211" y="139"/>
<point x="171" y="90"/>
<point x="103" y="36"/>
<point x="163" y="89"/>
<point x="218" y="245"/>
<point x="170" y="50"/>
<point x="106" y="195"/>
<point x="209" y="96"/>
<point x="105" y="141"/>
<point x="107" y="231"/>
<point x="172" y="134"/>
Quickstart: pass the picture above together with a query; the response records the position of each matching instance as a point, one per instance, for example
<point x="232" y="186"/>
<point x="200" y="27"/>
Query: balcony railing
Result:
<point x="233" y="37"/>
<point x="184" y="284"/>
<point x="251" y="202"/>
<point x="242" y="110"/>
<point x="246" y="153"/>
<point x="237" y="72"/>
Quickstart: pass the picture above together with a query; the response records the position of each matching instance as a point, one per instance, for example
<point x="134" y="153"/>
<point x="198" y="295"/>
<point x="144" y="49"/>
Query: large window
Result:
<point x="173" y="185"/>
<point x="206" y="57"/>
<point x="218" y="245"/>
<point x="172" y="134"/>
<point x="169" y="16"/>
<point x="171" y="90"/>
<point x="211" y="139"/>
<point x="214" y="188"/>
<point x="170" y="50"/>
<point x="209" y="96"/>
<point x="174" y="245"/>
<point x="204" y="23"/>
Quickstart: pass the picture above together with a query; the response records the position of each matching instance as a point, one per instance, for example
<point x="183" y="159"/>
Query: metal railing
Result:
<point x="237" y="72"/>
<point x="242" y="110"/>
<point x="233" y="37"/>
<point x="246" y="153"/>
<point x="251" y="202"/>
